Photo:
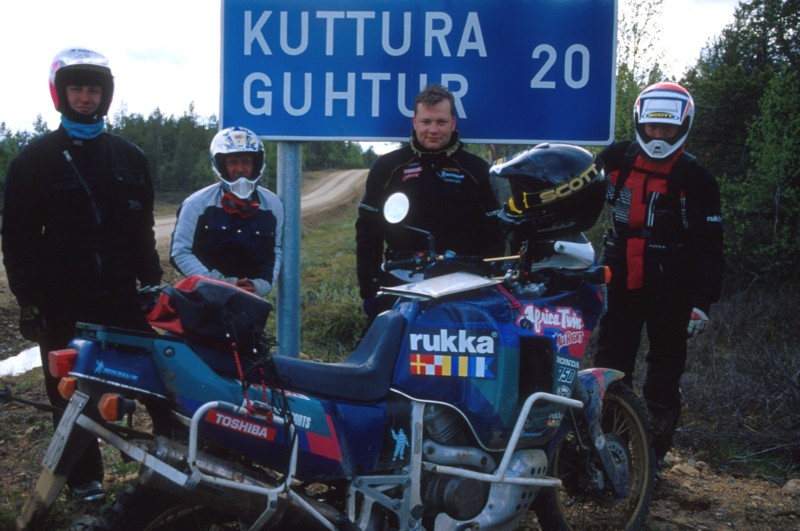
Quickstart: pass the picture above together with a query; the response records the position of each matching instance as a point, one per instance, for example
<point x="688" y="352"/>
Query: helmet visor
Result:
<point x="662" y="111"/>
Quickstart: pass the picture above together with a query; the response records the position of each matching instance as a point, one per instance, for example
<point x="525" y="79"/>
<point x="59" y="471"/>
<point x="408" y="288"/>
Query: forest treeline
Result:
<point x="177" y="148"/>
<point x="747" y="128"/>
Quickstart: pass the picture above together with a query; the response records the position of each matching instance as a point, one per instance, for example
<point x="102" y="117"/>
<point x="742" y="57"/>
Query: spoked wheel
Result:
<point x="187" y="515"/>
<point x="585" y="499"/>
<point x="143" y="509"/>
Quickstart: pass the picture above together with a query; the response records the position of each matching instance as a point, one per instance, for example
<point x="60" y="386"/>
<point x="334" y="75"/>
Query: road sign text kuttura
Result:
<point x="522" y="71"/>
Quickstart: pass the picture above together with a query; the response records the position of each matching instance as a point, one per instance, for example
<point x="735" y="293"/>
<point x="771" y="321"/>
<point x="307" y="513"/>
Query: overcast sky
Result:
<point x="165" y="53"/>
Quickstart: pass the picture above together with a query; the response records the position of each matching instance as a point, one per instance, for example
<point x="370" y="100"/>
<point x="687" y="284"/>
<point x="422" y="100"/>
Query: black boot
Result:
<point x="663" y="423"/>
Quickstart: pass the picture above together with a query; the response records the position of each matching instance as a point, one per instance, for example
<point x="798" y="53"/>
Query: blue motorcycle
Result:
<point x="463" y="407"/>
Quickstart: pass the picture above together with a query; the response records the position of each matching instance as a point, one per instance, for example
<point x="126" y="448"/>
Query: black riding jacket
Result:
<point x="667" y="231"/>
<point x="78" y="230"/>
<point x="450" y="195"/>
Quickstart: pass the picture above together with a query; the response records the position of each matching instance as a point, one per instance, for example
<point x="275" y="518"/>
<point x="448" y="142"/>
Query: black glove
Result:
<point x="31" y="323"/>
<point x="148" y="298"/>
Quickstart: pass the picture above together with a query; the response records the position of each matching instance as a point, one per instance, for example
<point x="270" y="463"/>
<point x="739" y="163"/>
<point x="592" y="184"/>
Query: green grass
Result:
<point x="330" y="315"/>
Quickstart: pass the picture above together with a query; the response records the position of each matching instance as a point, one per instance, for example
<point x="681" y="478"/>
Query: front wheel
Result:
<point x="581" y="502"/>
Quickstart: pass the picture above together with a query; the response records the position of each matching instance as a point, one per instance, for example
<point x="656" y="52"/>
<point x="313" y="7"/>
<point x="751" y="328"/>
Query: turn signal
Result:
<point x="608" y="274"/>
<point x="67" y="386"/>
<point x="60" y="362"/>
<point x="114" y="407"/>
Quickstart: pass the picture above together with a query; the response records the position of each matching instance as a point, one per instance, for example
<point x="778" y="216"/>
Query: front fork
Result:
<point x="593" y="384"/>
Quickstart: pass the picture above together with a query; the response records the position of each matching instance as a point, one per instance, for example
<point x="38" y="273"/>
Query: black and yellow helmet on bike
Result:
<point x="556" y="190"/>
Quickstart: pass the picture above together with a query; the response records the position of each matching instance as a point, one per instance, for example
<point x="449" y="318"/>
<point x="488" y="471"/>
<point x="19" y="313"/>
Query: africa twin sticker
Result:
<point x="566" y="319"/>
<point x="460" y="353"/>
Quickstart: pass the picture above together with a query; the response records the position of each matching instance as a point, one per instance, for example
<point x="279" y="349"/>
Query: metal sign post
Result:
<point x="289" y="184"/>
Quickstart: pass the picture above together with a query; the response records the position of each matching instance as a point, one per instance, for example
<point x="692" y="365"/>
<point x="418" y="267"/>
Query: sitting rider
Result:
<point x="231" y="230"/>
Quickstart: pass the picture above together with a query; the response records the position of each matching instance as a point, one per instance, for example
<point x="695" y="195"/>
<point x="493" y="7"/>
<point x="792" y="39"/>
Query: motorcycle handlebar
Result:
<point x="409" y="263"/>
<point x="429" y="259"/>
<point x="416" y="262"/>
<point x="592" y="275"/>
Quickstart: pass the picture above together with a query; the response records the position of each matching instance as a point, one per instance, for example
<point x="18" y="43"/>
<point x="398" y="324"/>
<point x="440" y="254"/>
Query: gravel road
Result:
<point x="323" y="192"/>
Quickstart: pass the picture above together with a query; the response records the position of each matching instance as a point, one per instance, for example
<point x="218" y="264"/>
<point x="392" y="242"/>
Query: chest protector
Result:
<point x="648" y="202"/>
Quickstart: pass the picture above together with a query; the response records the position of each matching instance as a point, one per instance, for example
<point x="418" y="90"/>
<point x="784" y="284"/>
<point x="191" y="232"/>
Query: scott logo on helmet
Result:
<point x="668" y="115"/>
<point x="570" y="187"/>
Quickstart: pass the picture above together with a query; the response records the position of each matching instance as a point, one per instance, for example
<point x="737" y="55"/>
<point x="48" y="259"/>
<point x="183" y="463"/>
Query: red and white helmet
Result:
<point x="79" y="66"/>
<point x="663" y="103"/>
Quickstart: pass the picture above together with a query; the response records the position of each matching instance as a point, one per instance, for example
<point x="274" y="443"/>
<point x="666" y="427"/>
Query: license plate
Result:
<point x="64" y="429"/>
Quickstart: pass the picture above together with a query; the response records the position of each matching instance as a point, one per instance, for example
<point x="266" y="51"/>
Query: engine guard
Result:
<point x="507" y="502"/>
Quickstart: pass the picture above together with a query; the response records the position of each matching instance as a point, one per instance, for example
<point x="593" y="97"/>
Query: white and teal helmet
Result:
<point x="237" y="140"/>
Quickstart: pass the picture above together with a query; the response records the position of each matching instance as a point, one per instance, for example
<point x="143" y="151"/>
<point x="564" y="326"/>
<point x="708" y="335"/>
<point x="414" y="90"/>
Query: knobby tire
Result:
<point x="576" y="506"/>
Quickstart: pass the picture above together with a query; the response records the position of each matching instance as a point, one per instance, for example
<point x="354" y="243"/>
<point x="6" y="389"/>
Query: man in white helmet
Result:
<point x="664" y="251"/>
<point x="78" y="228"/>
<point x="232" y="230"/>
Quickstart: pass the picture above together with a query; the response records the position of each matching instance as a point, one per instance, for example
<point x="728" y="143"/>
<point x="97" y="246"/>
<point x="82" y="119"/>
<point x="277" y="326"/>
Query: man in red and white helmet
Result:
<point x="77" y="231"/>
<point x="664" y="251"/>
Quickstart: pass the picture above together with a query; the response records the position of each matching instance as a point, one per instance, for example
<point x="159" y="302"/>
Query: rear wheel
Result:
<point x="579" y="503"/>
<point x="140" y="508"/>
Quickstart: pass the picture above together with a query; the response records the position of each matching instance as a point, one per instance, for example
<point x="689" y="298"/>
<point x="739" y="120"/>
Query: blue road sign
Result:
<point x="522" y="71"/>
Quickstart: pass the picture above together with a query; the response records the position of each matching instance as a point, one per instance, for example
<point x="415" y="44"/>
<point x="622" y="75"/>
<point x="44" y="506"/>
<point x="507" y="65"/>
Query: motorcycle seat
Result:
<point x="364" y="376"/>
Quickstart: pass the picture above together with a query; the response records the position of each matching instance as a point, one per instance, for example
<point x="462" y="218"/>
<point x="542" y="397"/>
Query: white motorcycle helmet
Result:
<point x="79" y="66"/>
<point x="237" y="140"/>
<point x="663" y="103"/>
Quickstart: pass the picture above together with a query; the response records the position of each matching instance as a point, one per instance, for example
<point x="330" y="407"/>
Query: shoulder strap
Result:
<point x="631" y="152"/>
<point x="678" y="174"/>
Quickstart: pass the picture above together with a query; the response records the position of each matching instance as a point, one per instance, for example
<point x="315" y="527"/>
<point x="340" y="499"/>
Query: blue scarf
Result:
<point x="82" y="131"/>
